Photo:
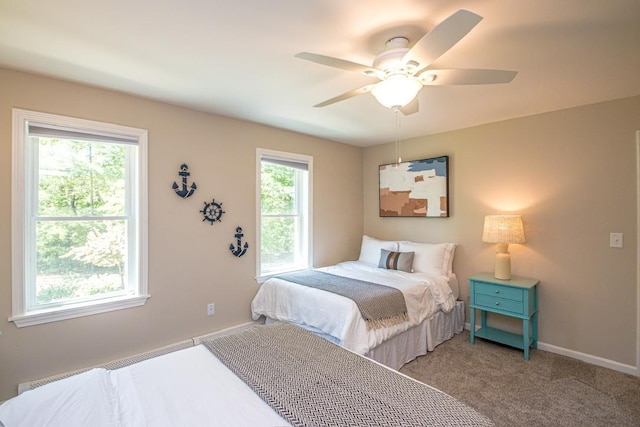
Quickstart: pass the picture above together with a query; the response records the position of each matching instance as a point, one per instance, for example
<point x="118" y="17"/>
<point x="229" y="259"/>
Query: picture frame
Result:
<point x="417" y="188"/>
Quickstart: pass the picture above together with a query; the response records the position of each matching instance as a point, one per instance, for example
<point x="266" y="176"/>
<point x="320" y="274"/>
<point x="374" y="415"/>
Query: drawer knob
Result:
<point x="497" y="291"/>
<point x="497" y="302"/>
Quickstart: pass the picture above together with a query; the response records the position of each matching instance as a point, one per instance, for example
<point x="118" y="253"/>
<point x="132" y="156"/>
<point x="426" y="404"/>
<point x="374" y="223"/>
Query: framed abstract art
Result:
<point x="419" y="188"/>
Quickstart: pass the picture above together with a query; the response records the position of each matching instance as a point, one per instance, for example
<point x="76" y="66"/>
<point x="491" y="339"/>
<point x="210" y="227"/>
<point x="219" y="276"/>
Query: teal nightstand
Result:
<point x="517" y="297"/>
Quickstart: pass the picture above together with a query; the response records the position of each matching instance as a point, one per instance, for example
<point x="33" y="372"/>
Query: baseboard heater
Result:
<point x="121" y="363"/>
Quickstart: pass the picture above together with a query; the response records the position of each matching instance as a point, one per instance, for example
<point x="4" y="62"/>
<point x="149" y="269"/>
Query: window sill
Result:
<point x="262" y="279"/>
<point x="62" y="313"/>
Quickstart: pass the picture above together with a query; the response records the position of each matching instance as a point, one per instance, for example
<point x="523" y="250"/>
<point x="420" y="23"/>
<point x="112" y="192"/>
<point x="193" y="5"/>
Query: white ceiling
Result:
<point x="236" y="58"/>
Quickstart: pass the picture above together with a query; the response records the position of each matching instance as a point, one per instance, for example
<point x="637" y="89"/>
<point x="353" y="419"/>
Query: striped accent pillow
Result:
<point x="402" y="261"/>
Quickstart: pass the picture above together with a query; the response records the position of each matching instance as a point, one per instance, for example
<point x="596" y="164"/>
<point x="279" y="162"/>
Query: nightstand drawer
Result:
<point x="491" y="302"/>
<point x="499" y="291"/>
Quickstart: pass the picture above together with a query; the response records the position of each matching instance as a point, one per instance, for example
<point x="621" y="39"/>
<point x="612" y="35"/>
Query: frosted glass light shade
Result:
<point x="396" y="91"/>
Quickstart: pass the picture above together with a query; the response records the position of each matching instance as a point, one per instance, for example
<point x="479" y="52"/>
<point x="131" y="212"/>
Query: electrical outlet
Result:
<point x="211" y="309"/>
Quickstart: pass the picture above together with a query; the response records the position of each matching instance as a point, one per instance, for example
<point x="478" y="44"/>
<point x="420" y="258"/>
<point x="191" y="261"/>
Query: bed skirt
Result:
<point x="414" y="342"/>
<point x="420" y="339"/>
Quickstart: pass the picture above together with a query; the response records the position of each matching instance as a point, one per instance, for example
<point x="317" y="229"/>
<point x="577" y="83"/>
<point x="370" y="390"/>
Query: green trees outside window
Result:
<point x="278" y="206"/>
<point x="284" y="215"/>
<point x="80" y="230"/>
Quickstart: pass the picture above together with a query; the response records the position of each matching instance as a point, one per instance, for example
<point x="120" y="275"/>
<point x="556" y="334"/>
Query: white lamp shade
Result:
<point x="396" y="91"/>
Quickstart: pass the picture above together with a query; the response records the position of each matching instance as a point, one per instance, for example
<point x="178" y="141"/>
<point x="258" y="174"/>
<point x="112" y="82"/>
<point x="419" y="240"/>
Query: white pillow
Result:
<point x="431" y="258"/>
<point x="451" y="249"/>
<point x="370" y="249"/>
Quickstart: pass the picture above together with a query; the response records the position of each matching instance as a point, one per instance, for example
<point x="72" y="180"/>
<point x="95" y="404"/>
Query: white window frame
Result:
<point x="22" y="202"/>
<point x="306" y="261"/>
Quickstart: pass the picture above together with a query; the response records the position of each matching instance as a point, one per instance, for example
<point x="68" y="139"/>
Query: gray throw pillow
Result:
<point x="402" y="261"/>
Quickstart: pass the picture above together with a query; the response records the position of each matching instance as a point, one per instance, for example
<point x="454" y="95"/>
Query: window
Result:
<point x="79" y="205"/>
<point x="284" y="212"/>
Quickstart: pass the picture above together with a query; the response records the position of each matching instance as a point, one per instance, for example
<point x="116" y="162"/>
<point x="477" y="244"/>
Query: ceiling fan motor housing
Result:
<point x="390" y="61"/>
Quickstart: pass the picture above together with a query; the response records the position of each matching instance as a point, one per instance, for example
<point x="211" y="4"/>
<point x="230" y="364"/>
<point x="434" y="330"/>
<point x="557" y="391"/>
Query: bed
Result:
<point x="422" y="272"/>
<point x="270" y="375"/>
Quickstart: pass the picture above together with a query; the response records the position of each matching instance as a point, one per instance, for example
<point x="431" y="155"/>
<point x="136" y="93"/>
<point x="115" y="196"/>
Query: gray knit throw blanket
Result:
<point x="380" y="306"/>
<point x="310" y="381"/>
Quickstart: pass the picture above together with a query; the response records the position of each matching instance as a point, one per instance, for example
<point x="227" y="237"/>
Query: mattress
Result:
<point x="193" y="387"/>
<point x="189" y="387"/>
<point x="338" y="317"/>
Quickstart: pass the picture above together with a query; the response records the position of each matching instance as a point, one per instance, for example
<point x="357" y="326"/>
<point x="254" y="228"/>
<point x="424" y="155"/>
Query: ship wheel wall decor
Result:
<point x="212" y="212"/>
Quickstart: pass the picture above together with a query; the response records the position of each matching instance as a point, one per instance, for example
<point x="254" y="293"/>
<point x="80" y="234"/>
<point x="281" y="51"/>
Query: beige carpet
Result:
<point x="548" y="390"/>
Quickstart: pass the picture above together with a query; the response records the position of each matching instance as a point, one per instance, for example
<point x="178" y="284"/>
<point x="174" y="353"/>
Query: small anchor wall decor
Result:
<point x="184" y="192"/>
<point x="239" y="250"/>
<point x="212" y="211"/>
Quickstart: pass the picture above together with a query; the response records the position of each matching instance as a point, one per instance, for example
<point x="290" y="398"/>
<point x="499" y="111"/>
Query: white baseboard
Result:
<point x="115" y="364"/>
<point x="224" y="332"/>
<point x="588" y="358"/>
<point x="594" y="360"/>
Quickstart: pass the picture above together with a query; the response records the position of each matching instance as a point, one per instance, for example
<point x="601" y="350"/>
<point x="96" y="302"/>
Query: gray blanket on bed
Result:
<point x="380" y="306"/>
<point x="310" y="381"/>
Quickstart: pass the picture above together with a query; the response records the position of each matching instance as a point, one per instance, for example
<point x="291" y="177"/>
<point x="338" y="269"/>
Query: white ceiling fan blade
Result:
<point x="411" y="107"/>
<point x="346" y="95"/>
<point x="452" y="76"/>
<point x="442" y="38"/>
<point x="337" y="63"/>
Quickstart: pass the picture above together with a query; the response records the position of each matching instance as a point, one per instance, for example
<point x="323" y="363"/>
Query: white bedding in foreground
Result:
<point x="189" y="387"/>
<point x="338" y="316"/>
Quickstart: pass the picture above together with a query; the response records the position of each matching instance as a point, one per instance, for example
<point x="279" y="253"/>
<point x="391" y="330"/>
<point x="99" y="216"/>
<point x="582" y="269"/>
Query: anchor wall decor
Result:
<point x="184" y="192"/>
<point x="212" y="211"/>
<point x="239" y="250"/>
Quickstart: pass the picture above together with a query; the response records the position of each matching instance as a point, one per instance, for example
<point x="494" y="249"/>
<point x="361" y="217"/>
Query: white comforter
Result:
<point x="189" y="387"/>
<point x="337" y="316"/>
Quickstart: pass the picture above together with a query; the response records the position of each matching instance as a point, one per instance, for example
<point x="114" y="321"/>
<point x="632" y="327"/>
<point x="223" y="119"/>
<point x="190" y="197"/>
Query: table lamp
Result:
<point x="503" y="229"/>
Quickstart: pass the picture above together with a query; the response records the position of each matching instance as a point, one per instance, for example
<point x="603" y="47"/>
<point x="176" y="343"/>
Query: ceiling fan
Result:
<point x="403" y="71"/>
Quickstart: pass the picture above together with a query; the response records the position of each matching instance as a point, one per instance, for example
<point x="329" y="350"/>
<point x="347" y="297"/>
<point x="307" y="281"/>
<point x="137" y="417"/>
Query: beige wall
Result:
<point x="189" y="260"/>
<point x="572" y="175"/>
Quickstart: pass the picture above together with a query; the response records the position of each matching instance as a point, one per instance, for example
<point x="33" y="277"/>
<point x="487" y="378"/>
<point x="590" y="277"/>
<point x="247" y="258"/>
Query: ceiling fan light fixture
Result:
<point x="396" y="91"/>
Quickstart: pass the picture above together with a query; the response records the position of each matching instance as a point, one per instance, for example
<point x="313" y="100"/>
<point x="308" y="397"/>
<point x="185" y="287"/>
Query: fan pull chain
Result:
<point x="398" y="154"/>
